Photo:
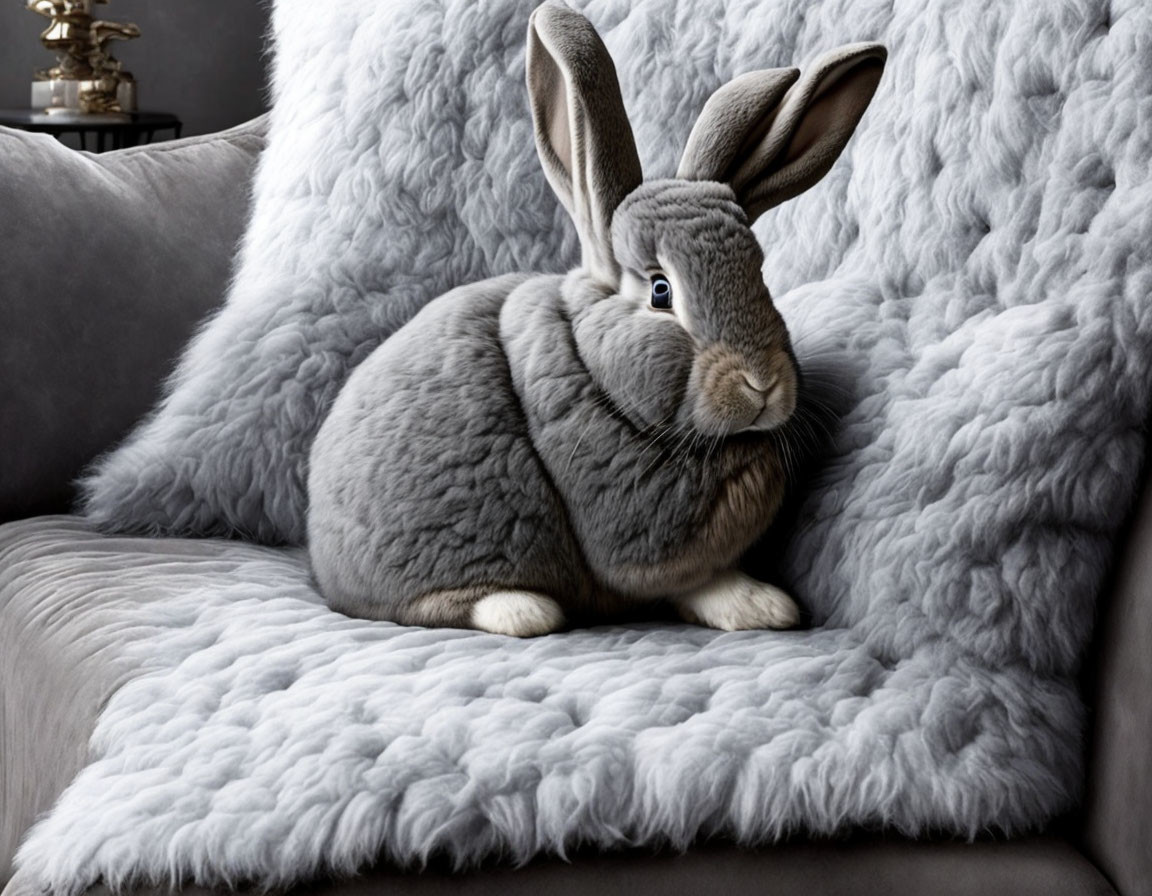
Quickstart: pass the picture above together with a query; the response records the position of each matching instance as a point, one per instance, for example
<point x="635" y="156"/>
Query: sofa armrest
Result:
<point x="106" y="264"/>
<point x="1118" y="811"/>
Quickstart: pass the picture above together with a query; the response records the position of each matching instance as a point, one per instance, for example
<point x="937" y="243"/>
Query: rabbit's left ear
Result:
<point x="582" y="132"/>
<point x="772" y="134"/>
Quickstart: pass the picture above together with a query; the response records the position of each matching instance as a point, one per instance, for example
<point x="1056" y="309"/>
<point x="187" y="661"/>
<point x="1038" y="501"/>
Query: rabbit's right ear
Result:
<point x="772" y="134"/>
<point x="582" y="132"/>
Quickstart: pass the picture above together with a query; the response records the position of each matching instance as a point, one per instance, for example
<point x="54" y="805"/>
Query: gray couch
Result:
<point x="91" y="320"/>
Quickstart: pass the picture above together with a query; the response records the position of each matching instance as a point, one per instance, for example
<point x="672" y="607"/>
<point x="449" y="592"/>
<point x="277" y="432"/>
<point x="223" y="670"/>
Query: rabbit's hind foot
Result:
<point x="509" y="611"/>
<point x="733" y="601"/>
<point x="523" y="614"/>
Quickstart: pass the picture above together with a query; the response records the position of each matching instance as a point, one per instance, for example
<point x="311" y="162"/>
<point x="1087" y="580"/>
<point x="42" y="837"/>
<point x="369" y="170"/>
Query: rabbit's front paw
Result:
<point x="733" y="601"/>
<point x="523" y="614"/>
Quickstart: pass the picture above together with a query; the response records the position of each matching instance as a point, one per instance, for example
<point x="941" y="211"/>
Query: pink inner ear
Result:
<point x="839" y="104"/>
<point x="549" y="92"/>
<point x="558" y="130"/>
<point x="815" y="130"/>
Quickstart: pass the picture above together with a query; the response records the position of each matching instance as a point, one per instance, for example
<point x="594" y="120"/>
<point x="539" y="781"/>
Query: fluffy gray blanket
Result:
<point x="263" y="736"/>
<point x="973" y="277"/>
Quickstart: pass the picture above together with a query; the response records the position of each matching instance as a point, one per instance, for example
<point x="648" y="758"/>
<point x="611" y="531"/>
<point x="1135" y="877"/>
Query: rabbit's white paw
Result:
<point x="734" y="601"/>
<point x="523" y="614"/>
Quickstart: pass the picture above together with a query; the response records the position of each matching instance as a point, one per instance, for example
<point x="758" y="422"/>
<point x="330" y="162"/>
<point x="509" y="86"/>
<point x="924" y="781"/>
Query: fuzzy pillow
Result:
<point x="397" y="168"/>
<point x="973" y="277"/>
<point x="107" y="261"/>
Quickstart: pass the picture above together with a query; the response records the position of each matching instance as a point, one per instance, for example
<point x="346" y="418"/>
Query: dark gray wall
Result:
<point x="202" y="60"/>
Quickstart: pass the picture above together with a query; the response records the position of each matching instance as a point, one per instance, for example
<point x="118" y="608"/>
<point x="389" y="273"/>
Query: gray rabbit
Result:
<point x="533" y="448"/>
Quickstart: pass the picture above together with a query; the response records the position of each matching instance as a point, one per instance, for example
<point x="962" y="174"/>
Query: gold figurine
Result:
<point x="86" y="77"/>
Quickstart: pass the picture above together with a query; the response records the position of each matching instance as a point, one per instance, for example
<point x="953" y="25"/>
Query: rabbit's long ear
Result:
<point x="582" y="132"/>
<point x="773" y="134"/>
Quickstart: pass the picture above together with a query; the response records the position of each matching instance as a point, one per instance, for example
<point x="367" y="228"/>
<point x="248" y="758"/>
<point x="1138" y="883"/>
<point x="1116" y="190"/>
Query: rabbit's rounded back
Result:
<point x="529" y="447"/>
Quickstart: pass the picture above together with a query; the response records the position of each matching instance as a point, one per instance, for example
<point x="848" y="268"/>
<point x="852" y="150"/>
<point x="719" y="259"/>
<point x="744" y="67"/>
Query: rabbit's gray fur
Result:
<point x="534" y="447"/>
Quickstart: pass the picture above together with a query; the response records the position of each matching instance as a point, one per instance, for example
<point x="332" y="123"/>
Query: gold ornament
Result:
<point x="86" y="77"/>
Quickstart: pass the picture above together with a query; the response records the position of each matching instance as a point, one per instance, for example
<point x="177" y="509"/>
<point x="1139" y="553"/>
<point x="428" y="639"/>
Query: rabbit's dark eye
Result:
<point x="661" y="292"/>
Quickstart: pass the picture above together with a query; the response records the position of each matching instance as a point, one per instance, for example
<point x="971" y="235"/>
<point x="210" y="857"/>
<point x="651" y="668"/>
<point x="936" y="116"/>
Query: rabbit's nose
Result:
<point x="757" y="389"/>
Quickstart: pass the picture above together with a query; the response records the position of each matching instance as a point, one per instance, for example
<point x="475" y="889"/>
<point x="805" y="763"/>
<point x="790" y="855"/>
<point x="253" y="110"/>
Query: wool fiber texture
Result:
<point x="969" y="288"/>
<point x="262" y="737"/>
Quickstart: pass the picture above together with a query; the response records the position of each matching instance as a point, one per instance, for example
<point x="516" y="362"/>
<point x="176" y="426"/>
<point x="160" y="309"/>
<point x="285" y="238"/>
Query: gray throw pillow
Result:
<point x="106" y="263"/>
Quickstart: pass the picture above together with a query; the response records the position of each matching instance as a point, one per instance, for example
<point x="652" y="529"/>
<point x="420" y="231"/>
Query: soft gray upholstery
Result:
<point x="866" y="867"/>
<point x="106" y="262"/>
<point x="70" y="604"/>
<point x="1118" y="812"/>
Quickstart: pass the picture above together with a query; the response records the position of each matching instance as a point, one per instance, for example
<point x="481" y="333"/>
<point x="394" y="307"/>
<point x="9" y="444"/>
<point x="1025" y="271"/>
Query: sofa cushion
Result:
<point x="68" y="641"/>
<point x="239" y="729"/>
<point x="62" y="647"/>
<point x="106" y="263"/>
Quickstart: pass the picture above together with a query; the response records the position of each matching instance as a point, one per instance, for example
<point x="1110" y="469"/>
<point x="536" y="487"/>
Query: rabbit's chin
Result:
<point x="774" y="414"/>
<point x="772" y="417"/>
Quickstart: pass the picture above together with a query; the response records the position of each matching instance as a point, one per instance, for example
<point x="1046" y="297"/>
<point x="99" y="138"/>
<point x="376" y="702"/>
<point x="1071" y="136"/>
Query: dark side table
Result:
<point x="108" y="133"/>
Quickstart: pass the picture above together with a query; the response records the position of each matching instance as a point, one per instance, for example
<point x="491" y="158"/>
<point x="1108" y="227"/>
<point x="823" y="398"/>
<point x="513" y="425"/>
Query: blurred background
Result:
<point x="201" y="60"/>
